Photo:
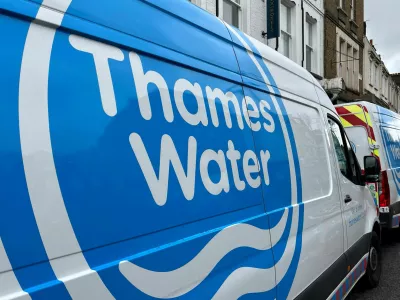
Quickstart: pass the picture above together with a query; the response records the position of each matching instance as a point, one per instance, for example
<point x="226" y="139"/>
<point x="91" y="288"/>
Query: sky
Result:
<point x="382" y="17"/>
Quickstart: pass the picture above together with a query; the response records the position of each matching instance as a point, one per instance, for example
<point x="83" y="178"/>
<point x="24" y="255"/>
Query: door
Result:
<point x="352" y="189"/>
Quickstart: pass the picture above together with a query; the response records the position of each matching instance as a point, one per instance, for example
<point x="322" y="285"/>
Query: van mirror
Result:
<point x="372" y="169"/>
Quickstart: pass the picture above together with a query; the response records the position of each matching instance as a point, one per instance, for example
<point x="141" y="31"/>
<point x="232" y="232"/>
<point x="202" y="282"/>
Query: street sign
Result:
<point x="273" y="19"/>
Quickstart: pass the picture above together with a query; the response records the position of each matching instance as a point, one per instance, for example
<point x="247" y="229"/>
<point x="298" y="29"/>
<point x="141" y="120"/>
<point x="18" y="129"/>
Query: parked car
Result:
<point x="149" y="150"/>
<point x="374" y="130"/>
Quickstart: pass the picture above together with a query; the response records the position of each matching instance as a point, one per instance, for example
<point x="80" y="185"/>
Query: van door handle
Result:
<point x="347" y="199"/>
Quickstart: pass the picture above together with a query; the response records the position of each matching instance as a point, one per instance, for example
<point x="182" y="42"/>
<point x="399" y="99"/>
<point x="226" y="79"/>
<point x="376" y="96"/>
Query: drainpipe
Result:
<point x="302" y="32"/>
<point x="217" y="7"/>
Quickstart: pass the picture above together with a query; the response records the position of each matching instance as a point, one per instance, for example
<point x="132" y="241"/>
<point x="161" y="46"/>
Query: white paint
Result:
<point x="247" y="280"/>
<point x="101" y="54"/>
<point x="45" y="195"/>
<point x="251" y="166"/>
<point x="182" y="86"/>
<point x="214" y="188"/>
<point x="181" y="281"/>
<point x="9" y="285"/>
<point x="233" y="156"/>
<point x="270" y="126"/>
<point x="250" y="112"/>
<point x="264" y="157"/>
<point x="225" y="100"/>
<point x="168" y="155"/>
<point x="142" y="80"/>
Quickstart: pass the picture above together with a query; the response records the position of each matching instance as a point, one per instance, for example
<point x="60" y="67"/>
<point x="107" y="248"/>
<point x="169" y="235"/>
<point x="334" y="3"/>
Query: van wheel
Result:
<point x="374" y="266"/>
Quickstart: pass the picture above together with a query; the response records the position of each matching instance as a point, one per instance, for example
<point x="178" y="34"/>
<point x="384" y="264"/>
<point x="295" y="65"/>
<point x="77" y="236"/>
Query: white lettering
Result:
<point x="251" y="168"/>
<point x="233" y="155"/>
<point x="271" y="126"/>
<point x="225" y="99"/>
<point x="168" y="155"/>
<point x="181" y="86"/>
<point x="223" y="184"/>
<point x="142" y="80"/>
<point x="265" y="156"/>
<point x="101" y="54"/>
<point x="250" y="110"/>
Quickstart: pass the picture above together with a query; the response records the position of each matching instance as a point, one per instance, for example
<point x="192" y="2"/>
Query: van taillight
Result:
<point x="384" y="190"/>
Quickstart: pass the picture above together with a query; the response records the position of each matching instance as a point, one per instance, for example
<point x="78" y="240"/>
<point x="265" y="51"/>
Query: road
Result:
<point x="389" y="287"/>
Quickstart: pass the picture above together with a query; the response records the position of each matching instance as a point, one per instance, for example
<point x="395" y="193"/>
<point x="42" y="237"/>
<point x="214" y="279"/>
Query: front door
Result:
<point x="352" y="191"/>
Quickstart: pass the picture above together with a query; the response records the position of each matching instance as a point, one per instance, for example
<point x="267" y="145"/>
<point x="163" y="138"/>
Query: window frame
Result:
<point x="234" y="3"/>
<point x="356" y="178"/>
<point x="288" y="32"/>
<point x="310" y="46"/>
<point x="352" y="10"/>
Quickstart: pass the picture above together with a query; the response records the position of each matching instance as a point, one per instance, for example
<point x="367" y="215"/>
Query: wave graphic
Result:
<point x="397" y="173"/>
<point x="184" y="279"/>
<point x="253" y="280"/>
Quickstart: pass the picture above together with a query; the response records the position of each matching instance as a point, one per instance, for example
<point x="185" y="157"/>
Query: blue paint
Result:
<point x="109" y="203"/>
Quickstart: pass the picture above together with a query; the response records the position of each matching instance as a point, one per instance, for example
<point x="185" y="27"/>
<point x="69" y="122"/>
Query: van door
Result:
<point x="295" y="168"/>
<point x="352" y="191"/>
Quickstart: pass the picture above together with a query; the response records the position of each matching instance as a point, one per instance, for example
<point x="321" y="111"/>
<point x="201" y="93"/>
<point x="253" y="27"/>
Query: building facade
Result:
<point x="343" y="48"/>
<point x="380" y="86"/>
<point x="301" y="24"/>
<point x="377" y="79"/>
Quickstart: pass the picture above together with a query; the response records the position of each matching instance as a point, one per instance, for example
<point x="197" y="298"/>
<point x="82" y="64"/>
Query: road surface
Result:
<point x="389" y="287"/>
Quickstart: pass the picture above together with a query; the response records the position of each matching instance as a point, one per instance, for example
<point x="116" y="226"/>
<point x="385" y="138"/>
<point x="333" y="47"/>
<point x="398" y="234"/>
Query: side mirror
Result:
<point x="372" y="169"/>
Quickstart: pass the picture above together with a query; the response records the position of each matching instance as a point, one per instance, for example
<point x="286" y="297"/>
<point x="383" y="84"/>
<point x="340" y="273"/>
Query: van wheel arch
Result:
<point x="377" y="230"/>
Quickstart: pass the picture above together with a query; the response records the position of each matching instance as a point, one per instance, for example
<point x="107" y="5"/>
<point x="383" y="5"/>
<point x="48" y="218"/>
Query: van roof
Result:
<point x="289" y="76"/>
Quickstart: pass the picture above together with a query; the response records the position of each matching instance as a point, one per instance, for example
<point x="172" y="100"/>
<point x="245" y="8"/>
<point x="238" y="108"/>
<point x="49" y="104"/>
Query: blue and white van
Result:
<point x="151" y="151"/>
<point x="375" y="130"/>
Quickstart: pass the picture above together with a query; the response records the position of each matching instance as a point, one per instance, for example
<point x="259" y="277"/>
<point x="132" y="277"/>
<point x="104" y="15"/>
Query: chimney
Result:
<point x="371" y="41"/>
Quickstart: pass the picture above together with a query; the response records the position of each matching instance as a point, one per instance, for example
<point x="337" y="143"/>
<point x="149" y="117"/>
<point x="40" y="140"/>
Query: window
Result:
<point x="349" y="65"/>
<point x="355" y="69"/>
<point x="376" y="77"/>
<point x="309" y="46"/>
<point x="286" y="29"/>
<point x="348" y="163"/>
<point x="230" y="12"/>
<point x="342" y="58"/>
<point x="352" y="10"/>
<point x="339" y="145"/>
<point x="371" y="73"/>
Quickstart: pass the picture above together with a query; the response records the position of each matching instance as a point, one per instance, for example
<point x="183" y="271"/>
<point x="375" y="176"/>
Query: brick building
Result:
<point x="343" y="48"/>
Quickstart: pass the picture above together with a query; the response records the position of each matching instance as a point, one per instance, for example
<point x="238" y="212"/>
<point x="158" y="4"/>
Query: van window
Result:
<point x="348" y="163"/>
<point x="340" y="148"/>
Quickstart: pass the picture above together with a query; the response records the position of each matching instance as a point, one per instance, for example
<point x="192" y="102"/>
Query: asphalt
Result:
<point x="389" y="287"/>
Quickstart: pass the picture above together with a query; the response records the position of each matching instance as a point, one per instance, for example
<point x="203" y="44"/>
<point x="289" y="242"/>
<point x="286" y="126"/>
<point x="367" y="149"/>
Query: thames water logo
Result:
<point x="158" y="163"/>
<point x="391" y="140"/>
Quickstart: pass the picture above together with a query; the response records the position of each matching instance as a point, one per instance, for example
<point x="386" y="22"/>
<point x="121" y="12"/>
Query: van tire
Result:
<point x="374" y="265"/>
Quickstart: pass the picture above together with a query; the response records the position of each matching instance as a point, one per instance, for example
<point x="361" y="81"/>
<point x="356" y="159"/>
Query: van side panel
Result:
<point x="129" y="165"/>
<point x="389" y="124"/>
<point x="319" y="199"/>
<point x="20" y="238"/>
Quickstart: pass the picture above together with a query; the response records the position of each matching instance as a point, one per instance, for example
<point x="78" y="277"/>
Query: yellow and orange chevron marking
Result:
<point x="358" y="115"/>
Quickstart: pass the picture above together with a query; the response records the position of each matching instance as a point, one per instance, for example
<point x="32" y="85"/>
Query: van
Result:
<point x="374" y="130"/>
<point x="151" y="151"/>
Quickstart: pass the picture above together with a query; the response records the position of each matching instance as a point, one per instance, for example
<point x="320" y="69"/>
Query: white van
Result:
<point x="375" y="130"/>
<point x="151" y="151"/>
